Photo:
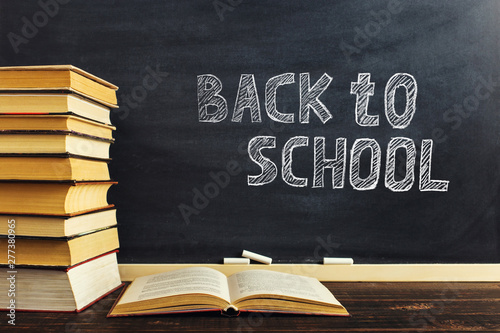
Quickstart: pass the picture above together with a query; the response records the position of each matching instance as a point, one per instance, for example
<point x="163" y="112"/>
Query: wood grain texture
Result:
<point x="374" y="307"/>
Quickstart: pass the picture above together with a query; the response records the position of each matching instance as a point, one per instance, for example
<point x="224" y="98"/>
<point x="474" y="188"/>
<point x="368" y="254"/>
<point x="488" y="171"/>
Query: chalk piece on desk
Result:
<point x="257" y="257"/>
<point x="337" y="261"/>
<point x="236" y="261"/>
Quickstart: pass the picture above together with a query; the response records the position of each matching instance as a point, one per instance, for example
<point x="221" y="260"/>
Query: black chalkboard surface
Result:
<point x="294" y="129"/>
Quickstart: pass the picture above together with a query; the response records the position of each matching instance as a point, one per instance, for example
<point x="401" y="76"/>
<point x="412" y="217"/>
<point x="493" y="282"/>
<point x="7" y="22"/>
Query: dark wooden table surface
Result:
<point x="374" y="307"/>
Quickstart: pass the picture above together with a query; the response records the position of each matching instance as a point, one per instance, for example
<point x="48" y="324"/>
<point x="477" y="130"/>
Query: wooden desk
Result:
<point x="380" y="307"/>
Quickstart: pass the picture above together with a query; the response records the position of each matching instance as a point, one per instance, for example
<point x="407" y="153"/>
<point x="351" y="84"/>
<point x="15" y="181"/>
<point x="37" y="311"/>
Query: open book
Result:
<point x="197" y="289"/>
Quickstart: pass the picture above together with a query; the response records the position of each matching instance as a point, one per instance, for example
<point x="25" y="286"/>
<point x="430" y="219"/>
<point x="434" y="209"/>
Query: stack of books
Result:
<point x="58" y="235"/>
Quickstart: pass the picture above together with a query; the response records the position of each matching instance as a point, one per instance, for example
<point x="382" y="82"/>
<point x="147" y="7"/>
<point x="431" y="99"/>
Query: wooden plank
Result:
<point x="416" y="290"/>
<point x="374" y="307"/>
<point x="378" y="273"/>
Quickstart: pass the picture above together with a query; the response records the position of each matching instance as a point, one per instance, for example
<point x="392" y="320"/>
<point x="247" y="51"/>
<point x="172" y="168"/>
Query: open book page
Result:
<point x="186" y="281"/>
<point x="255" y="282"/>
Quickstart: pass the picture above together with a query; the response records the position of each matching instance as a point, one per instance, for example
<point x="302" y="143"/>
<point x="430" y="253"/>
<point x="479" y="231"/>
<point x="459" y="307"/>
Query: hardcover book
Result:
<point x="55" y="122"/>
<point x="65" y="251"/>
<point x="197" y="289"/>
<point x="53" y="142"/>
<point x="53" y="103"/>
<point x="52" y="167"/>
<point x="58" y="226"/>
<point x="64" y="289"/>
<point x="53" y="198"/>
<point x="58" y="77"/>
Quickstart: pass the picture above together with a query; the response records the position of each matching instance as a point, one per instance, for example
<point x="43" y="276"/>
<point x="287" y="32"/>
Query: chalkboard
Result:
<point x="294" y="129"/>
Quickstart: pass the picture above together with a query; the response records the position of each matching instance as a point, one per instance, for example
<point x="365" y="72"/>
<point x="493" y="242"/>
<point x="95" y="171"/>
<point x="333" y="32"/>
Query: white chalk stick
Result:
<point x="337" y="261"/>
<point x="236" y="261"/>
<point x="257" y="257"/>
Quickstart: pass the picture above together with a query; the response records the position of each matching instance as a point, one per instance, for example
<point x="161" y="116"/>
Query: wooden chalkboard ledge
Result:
<point x="374" y="273"/>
